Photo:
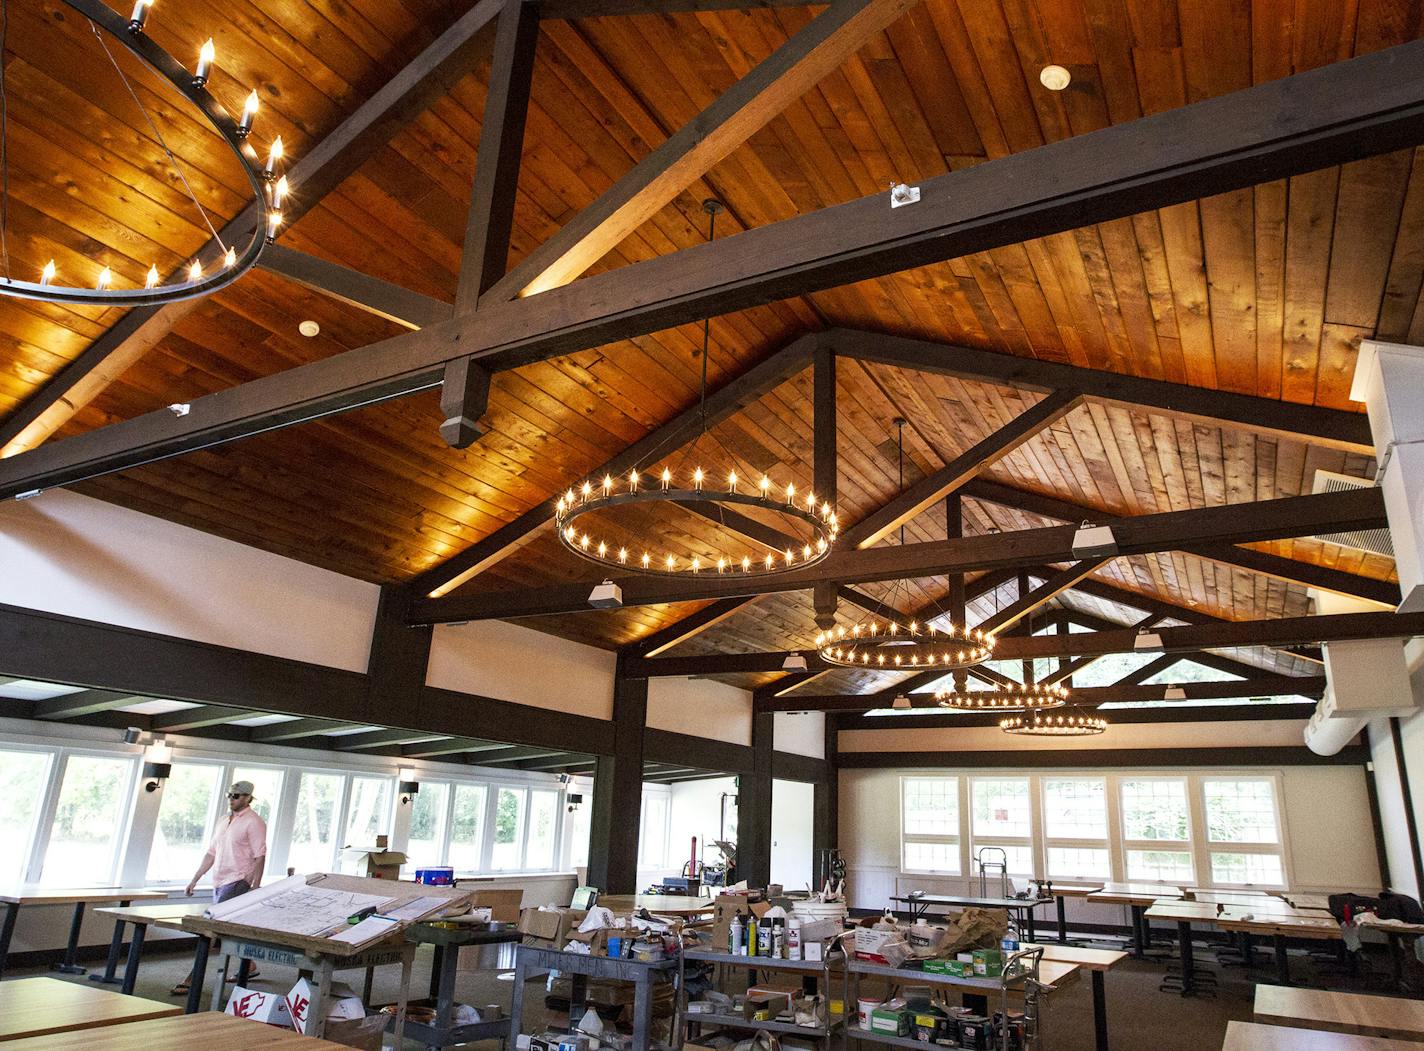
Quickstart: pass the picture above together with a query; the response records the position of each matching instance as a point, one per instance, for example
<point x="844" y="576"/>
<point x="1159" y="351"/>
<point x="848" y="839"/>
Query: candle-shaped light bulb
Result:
<point x="667" y="479"/>
<point x="790" y="492"/>
<point x="632" y="481"/>
<point x="721" y="565"/>
<point x="765" y="485"/>
<point x="274" y="156"/>
<point x="607" y="485"/>
<point x="602" y="549"/>
<point x="732" y="482"/>
<point x="769" y="562"/>
<point x="746" y="564"/>
<point x="671" y="562"/>
<point x="587" y="490"/>
<point x="274" y="223"/>
<point x="47" y="274"/>
<point x="697" y="479"/>
<point x="249" y="114"/>
<point x="279" y="193"/>
<point x="151" y="281"/>
<point x="696" y="564"/>
<point x="195" y="271"/>
<point x="106" y="278"/>
<point x="140" y="15"/>
<point x="230" y="258"/>
<point x="623" y="554"/>
<point x="647" y="559"/>
<point x="206" y="54"/>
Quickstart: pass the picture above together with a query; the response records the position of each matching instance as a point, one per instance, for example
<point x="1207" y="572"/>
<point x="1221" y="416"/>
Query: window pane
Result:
<point x="1171" y="866"/>
<point x="1001" y="806"/>
<point x="543" y="822"/>
<point x="427" y="825"/>
<point x="1075" y="808"/>
<point x="23" y="776"/>
<point x="1240" y="811"/>
<point x="314" y="825"/>
<point x="1078" y="862"/>
<point x="1247" y="868"/>
<point x="1019" y="860"/>
<point x="932" y="857"/>
<point x="468" y="824"/>
<point x="652" y="850"/>
<point x="92" y="806"/>
<point x="184" y="817"/>
<point x="266" y="790"/>
<point x="368" y="815"/>
<point x="931" y="806"/>
<point x="508" y="828"/>
<point x="1154" y="809"/>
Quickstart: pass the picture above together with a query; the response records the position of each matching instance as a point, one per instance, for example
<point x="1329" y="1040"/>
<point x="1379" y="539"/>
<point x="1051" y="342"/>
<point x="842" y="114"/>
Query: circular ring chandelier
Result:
<point x="269" y="185"/>
<point x="1014" y="698"/>
<point x="1061" y="724"/>
<point x="588" y="498"/>
<point x="890" y="645"/>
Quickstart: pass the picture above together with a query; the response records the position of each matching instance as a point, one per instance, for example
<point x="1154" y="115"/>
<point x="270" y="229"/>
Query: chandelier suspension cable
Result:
<point x="162" y="142"/>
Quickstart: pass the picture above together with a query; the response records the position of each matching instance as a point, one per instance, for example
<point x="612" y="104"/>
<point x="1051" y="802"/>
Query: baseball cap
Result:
<point x="241" y="788"/>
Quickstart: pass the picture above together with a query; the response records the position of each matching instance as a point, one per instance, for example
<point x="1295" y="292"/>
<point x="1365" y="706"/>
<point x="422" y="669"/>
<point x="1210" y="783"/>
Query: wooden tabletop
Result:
<point x="1176" y="910"/>
<point x="1073" y="890"/>
<point x="1088" y="959"/>
<point x="1398" y="926"/>
<point x="1306" y="901"/>
<point x="1355" y="1013"/>
<point x="1248" y="1036"/>
<point x="31" y="895"/>
<point x="1290" y="926"/>
<point x="40" y="1006"/>
<point x="667" y="904"/>
<point x="169" y="916"/>
<point x="1134" y="893"/>
<point x="210" y="1030"/>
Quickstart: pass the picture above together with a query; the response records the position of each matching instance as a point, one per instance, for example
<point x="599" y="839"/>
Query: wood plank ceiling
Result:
<point x="1265" y="291"/>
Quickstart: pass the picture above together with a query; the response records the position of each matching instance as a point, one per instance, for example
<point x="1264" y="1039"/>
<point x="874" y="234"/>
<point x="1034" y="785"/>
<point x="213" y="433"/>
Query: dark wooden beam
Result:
<point x="85" y="702"/>
<point x="933" y="487"/>
<point x="450" y="746"/>
<point x="464" y="398"/>
<point x="297" y="729"/>
<point x="1263" y="520"/>
<point x="688" y="627"/>
<point x="568" y="9"/>
<point x="689" y="153"/>
<point x="370" y="294"/>
<point x="731" y="397"/>
<point x="197" y="718"/>
<point x="1337" y="113"/>
<point x="615" y="821"/>
<point x="1033" y="598"/>
<point x="429" y="76"/>
<point x="398" y="657"/>
<point x="515" y="756"/>
<point x="1332" y="428"/>
<point x="666" y="746"/>
<point x="1103" y="758"/>
<point x="381" y="738"/>
<point x="1304" y="573"/>
<point x="825" y="464"/>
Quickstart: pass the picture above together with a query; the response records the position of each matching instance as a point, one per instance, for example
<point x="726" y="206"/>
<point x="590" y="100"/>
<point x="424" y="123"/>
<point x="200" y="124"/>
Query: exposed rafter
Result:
<point x="374" y="296"/>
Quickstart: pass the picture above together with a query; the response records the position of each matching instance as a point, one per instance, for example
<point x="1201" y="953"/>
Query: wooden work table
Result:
<point x="1356" y="1013"/>
<point x="665" y="904"/>
<point x="141" y="917"/>
<point x="13" y="898"/>
<point x="1276" y="920"/>
<point x="1137" y="897"/>
<point x="1096" y="962"/>
<point x="1249" y="1036"/>
<point x="210" y="1031"/>
<point x="42" y="1007"/>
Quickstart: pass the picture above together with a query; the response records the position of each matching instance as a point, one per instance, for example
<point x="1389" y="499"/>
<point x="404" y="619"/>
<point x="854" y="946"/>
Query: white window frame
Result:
<point x="1046" y="842"/>
<point x="37" y="838"/>
<point x="1207" y="846"/>
<point x="216" y="806"/>
<point x="1185" y="846"/>
<point x="956" y="841"/>
<point x="1035" y="823"/>
<point x="127" y="804"/>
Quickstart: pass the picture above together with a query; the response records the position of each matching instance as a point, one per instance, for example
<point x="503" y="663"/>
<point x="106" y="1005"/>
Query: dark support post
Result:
<point x="464" y="398"/>
<point x="1409" y="822"/>
<point x="398" y="658"/>
<point x="618" y="792"/>
<point x="826" y="804"/>
<point x="754" y="807"/>
<point x="825" y="464"/>
<point x="1381" y="855"/>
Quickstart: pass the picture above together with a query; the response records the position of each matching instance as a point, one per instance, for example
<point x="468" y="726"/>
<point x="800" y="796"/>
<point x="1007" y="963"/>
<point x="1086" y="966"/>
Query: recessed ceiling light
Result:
<point x="1054" y="78"/>
<point x="309" y="328"/>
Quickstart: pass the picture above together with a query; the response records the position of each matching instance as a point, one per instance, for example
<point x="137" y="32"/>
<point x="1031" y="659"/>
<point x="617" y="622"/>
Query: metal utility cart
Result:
<point x="447" y="942"/>
<point x="819" y="969"/>
<point x="1024" y="972"/>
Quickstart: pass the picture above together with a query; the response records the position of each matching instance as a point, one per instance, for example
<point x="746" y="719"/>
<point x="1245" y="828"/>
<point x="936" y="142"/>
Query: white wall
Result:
<point x="1263" y="734"/>
<point x="514" y="663"/>
<point x="70" y="554"/>
<point x="803" y="733"/>
<point x="702" y="708"/>
<point x="791" y="822"/>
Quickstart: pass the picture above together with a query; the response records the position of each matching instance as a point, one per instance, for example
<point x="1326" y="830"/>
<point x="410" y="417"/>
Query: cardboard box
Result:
<point x="765" y="1005"/>
<point x="503" y="904"/>
<point x="869" y="943"/>
<point x="894" y="1021"/>
<point x="365" y="1033"/>
<point x="268" y="1008"/>
<point x="724" y="907"/>
<point x="550" y="926"/>
<point x="375" y="864"/>
<point x="988" y="963"/>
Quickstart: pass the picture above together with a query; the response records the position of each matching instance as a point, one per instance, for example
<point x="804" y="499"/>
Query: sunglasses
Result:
<point x="238" y="795"/>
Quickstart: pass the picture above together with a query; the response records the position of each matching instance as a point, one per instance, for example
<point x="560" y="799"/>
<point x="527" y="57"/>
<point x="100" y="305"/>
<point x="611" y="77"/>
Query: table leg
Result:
<point x="1063" y="923"/>
<point x="215" y="1001"/>
<point x="1282" y="961"/>
<point x="1100" y="1011"/>
<point x="198" y="975"/>
<point x="7" y="931"/>
<point x="516" y="1000"/>
<point x="244" y="971"/>
<point x="1396" y="960"/>
<point x="445" y="986"/>
<point x="316" y="1011"/>
<point x="1138" y="948"/>
<point x="135" y="952"/>
<point x="68" y="966"/>
<point x="642" y="1011"/>
<point x="1028" y="920"/>
<point x="437" y="958"/>
<point x="406" y="961"/>
<point x="116" y="944"/>
<point x="366" y="989"/>
<point x="578" y="998"/>
<point x="1188" y="961"/>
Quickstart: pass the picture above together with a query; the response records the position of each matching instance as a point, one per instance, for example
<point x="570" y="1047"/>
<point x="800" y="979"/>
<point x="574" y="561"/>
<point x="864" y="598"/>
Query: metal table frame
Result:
<point x="446" y="942"/>
<point x="1020" y="910"/>
<point x="580" y="967"/>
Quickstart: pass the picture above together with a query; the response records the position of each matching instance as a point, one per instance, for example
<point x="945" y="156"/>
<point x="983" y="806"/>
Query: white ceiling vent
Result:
<point x="1375" y="541"/>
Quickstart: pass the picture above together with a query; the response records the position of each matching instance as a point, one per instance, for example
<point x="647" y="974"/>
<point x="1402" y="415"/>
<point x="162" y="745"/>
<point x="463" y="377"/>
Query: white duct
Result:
<point x="1326" y="735"/>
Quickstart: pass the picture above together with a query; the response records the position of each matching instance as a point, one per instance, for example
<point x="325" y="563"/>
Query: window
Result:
<point x="929" y="823"/>
<point x="1155" y="820"/>
<point x="191" y="797"/>
<point x="368" y="814"/>
<point x="314" y="826"/>
<point x="652" y="842"/>
<point x="90" y="819"/>
<point x="428" y="810"/>
<point x="23" y="778"/>
<point x="1003" y="821"/>
<point x="266" y="788"/>
<point x="1242" y="812"/>
<point x="467" y="825"/>
<point x="539" y="850"/>
<point x="508" y="829"/>
<point x="1075" y="827"/>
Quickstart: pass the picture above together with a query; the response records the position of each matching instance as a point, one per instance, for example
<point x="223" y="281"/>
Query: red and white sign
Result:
<point x="268" y="1008"/>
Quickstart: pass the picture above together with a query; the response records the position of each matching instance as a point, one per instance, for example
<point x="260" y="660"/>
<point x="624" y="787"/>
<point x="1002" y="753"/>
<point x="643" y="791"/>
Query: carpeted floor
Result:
<point x="1140" y="1017"/>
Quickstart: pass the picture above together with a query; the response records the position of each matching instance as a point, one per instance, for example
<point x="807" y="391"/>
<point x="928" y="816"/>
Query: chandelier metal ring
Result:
<point x="588" y="498"/>
<point x="1060" y="724"/>
<point x="1014" y="698"/>
<point x="225" y="268"/>
<point x="890" y="645"/>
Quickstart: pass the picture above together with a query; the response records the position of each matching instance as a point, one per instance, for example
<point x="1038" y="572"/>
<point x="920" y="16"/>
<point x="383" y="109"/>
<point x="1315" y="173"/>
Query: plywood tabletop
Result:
<point x="1073" y="890"/>
<point x="1356" y="1013"/>
<point x="1249" y="1036"/>
<point x="210" y="1030"/>
<point x="43" y="1006"/>
<point x="1307" y="901"/>
<point x="1134" y="893"/>
<point x="170" y="916"/>
<point x="31" y="895"/>
<point x="667" y="904"/>
<point x="1398" y="926"/>
<point x="1291" y="926"/>
<point x="1088" y="959"/>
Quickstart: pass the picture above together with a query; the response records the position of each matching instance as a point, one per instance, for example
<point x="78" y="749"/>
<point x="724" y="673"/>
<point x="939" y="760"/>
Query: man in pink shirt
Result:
<point x="237" y="854"/>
